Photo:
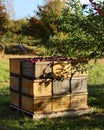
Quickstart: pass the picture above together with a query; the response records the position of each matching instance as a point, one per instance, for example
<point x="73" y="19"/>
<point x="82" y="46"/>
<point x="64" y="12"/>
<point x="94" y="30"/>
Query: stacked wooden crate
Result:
<point x="73" y="77"/>
<point x="47" y="86"/>
<point x="36" y="87"/>
<point x="31" y="87"/>
<point x="79" y="93"/>
<point x="61" y="71"/>
<point x="15" y="82"/>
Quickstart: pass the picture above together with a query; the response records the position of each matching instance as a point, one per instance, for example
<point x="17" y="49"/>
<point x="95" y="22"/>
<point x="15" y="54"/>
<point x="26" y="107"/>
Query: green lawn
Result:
<point x="13" y="120"/>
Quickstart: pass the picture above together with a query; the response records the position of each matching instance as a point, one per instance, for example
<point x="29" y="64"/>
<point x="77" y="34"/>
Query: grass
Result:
<point x="13" y="120"/>
<point x="96" y="73"/>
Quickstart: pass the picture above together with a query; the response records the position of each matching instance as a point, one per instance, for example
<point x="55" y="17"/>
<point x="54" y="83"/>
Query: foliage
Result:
<point x="77" y="35"/>
<point x="94" y="26"/>
<point x="68" y="31"/>
<point x="18" y="32"/>
<point x="3" y="18"/>
<point x="43" y="25"/>
<point x="64" y="29"/>
<point x="37" y="29"/>
<point x="12" y="30"/>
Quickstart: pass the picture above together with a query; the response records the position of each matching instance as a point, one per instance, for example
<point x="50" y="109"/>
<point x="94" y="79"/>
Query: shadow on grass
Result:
<point x="96" y="95"/>
<point x="11" y="119"/>
<point x="8" y="116"/>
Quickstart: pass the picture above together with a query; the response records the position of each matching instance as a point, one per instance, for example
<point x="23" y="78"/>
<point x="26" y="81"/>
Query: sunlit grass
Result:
<point x="96" y="73"/>
<point x="4" y="73"/>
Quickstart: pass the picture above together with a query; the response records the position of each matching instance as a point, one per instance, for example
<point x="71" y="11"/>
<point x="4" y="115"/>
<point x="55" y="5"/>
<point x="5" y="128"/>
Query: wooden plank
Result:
<point x="78" y="85"/>
<point x="60" y="103"/>
<point x="61" y="87"/>
<point x="14" y="82"/>
<point x="15" y="65"/>
<point x="62" y="69"/>
<point x="37" y="70"/>
<point x="14" y="98"/>
<point x="79" y="101"/>
<point x="79" y="68"/>
<point x="37" y="88"/>
<point x="36" y="105"/>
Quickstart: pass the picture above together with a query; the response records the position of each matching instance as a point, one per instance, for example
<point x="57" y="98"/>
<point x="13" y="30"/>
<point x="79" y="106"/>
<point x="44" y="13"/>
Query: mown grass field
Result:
<point x="13" y="120"/>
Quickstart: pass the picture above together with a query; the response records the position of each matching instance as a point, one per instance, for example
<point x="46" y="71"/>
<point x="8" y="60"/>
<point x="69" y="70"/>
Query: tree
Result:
<point x="18" y="30"/>
<point x="82" y="35"/>
<point x="71" y="33"/>
<point x="95" y="26"/>
<point x="3" y="18"/>
<point x="43" y="25"/>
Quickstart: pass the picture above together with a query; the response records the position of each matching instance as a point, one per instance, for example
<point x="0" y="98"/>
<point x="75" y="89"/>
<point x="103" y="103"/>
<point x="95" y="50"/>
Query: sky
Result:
<point x="26" y="8"/>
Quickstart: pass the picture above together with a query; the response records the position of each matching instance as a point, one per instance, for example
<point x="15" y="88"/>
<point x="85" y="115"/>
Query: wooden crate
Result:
<point x="79" y="68"/>
<point x="78" y="84"/>
<point x="62" y="69"/>
<point x="61" y="86"/>
<point x="36" y="105"/>
<point x="14" y="98"/>
<point x="15" y="65"/>
<point x="60" y="103"/>
<point x="79" y="101"/>
<point x="41" y="87"/>
<point x="37" y="70"/>
<point x="14" y="82"/>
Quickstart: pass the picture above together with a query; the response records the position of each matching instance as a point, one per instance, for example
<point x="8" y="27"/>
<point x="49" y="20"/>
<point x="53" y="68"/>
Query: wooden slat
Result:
<point x="37" y="70"/>
<point x="61" y="87"/>
<point x="36" y="105"/>
<point x="62" y="69"/>
<point x="79" y="101"/>
<point x="61" y="103"/>
<point x="37" y="88"/>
